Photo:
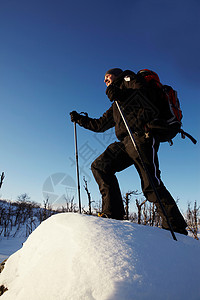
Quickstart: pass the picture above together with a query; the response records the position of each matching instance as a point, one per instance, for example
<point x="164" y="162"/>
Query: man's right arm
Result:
<point x="97" y="125"/>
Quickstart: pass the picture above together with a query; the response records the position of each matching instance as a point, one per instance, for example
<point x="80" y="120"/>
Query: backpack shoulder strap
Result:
<point x="124" y="74"/>
<point x="128" y="80"/>
<point x="184" y="134"/>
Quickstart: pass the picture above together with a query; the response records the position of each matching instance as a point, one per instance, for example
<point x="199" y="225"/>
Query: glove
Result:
<point x="74" y="116"/>
<point x="114" y="93"/>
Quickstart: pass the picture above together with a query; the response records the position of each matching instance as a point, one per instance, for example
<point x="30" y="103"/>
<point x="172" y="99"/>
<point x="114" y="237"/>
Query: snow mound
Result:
<point x="72" y="256"/>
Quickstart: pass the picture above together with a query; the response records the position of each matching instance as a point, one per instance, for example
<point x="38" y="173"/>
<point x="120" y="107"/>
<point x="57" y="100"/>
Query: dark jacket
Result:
<point x="136" y="106"/>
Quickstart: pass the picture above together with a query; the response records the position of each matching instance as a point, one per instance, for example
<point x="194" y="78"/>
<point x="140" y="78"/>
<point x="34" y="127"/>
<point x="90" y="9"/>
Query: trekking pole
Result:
<point x="146" y="169"/>
<point x="77" y="168"/>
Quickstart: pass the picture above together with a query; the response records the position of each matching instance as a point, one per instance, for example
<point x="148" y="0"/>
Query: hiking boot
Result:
<point x="103" y="215"/>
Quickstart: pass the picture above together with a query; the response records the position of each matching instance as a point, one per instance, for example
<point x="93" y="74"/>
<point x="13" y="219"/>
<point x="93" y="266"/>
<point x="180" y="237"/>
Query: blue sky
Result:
<point x="53" y="58"/>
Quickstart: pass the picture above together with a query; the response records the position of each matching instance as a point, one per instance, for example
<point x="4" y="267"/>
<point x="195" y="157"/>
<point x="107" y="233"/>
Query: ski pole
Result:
<point x="146" y="169"/>
<point x="77" y="167"/>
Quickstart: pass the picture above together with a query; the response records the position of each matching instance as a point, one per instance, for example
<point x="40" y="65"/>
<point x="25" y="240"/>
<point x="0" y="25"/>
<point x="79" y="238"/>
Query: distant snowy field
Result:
<point x="10" y="245"/>
<point x="78" y="257"/>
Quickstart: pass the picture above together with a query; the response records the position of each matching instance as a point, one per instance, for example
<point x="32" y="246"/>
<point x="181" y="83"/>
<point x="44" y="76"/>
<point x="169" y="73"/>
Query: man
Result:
<point x="120" y="155"/>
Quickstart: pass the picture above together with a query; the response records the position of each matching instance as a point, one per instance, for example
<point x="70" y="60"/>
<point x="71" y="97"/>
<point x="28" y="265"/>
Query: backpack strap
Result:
<point x="123" y="74"/>
<point x="184" y="134"/>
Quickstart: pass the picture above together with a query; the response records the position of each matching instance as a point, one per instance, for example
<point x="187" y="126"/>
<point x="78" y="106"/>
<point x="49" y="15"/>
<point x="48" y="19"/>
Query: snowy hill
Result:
<point x="71" y="257"/>
<point x="17" y="221"/>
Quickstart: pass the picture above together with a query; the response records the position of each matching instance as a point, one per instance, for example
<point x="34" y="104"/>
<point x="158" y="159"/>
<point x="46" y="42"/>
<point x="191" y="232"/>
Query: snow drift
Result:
<point x="71" y="257"/>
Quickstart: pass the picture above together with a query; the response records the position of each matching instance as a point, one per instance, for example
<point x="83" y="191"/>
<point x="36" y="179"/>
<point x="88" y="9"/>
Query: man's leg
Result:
<point x="148" y="149"/>
<point x="112" y="160"/>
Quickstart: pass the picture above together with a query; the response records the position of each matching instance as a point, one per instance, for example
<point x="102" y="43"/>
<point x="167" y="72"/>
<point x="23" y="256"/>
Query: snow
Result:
<point x="78" y="257"/>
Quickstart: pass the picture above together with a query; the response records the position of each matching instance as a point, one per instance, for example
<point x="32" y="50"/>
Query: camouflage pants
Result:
<point x="117" y="157"/>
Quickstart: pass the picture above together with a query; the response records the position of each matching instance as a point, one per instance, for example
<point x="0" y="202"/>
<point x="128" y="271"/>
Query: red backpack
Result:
<point x="169" y="124"/>
<point x="168" y="93"/>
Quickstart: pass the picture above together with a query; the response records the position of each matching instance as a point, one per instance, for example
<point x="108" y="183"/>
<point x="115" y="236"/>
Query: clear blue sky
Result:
<point x="53" y="58"/>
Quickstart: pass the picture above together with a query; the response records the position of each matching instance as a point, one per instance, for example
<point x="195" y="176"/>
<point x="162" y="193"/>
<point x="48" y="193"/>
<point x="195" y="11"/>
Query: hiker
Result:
<point x="120" y="155"/>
